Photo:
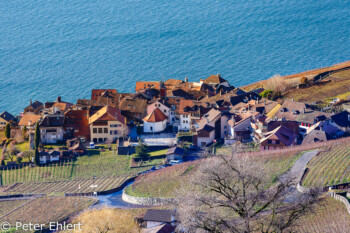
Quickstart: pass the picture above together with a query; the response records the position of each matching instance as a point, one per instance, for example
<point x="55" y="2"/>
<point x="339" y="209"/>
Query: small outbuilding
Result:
<point x="154" y="217"/>
<point x="175" y="153"/>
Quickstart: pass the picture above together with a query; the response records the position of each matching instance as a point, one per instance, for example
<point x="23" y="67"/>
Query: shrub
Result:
<point x="19" y="159"/>
<point x="304" y="80"/>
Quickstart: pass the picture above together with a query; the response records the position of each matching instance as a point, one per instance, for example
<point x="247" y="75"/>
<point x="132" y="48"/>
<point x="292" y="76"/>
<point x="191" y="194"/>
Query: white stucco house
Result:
<point x="155" y="122"/>
<point x="163" y="108"/>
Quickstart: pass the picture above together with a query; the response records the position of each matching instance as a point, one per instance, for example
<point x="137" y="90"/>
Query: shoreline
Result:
<point x="308" y="73"/>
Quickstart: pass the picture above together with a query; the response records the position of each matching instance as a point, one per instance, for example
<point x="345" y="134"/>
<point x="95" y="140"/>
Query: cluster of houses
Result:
<point x="211" y="110"/>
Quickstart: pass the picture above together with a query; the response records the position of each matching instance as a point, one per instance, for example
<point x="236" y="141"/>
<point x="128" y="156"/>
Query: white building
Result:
<point x="155" y="122"/>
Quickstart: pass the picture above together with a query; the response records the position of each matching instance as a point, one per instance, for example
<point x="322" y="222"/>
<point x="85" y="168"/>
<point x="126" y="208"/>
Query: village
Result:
<point x="160" y="113"/>
<point x="157" y="135"/>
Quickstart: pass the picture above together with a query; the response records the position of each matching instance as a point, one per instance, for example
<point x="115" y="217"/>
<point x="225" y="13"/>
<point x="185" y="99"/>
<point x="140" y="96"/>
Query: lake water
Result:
<point x="60" y="47"/>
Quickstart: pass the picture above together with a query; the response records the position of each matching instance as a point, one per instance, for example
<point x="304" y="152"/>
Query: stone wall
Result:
<point x="146" y="201"/>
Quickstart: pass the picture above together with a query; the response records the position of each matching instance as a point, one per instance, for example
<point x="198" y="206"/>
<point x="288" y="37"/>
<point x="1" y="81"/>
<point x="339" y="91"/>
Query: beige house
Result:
<point x="107" y="124"/>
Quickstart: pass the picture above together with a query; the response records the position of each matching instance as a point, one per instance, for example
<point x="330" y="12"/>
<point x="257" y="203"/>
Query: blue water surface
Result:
<point x="63" y="47"/>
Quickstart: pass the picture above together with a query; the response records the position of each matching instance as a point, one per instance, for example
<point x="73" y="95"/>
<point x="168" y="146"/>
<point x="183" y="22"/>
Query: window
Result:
<point x="151" y="128"/>
<point x="105" y="130"/>
<point x="115" y="125"/>
<point x="277" y="142"/>
<point x="269" y="141"/>
<point x="184" y="121"/>
<point x="164" y="110"/>
<point x="113" y="132"/>
<point x="94" y="130"/>
<point x="99" y="130"/>
<point x="225" y="127"/>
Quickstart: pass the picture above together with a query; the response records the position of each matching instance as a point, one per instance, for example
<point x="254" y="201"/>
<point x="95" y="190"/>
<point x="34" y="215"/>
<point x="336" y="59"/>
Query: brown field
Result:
<point x="328" y="216"/>
<point x="296" y="77"/>
<point x="162" y="183"/>
<point x="49" y="209"/>
<point x="340" y="84"/>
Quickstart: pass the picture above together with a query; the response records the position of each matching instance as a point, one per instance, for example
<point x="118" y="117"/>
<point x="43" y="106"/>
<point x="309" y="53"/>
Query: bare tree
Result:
<point x="277" y="84"/>
<point x="233" y="193"/>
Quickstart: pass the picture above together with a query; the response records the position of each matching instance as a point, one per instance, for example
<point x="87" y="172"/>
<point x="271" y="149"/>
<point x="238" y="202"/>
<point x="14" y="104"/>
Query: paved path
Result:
<point x="297" y="172"/>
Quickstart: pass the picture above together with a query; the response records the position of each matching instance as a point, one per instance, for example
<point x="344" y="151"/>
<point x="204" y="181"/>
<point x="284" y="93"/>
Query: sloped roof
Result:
<point x="62" y="106"/>
<point x="26" y="118"/>
<point x="107" y="113"/>
<point x="156" y="116"/>
<point x="142" y="85"/>
<point x="282" y="133"/>
<point x="273" y="111"/>
<point x="172" y="83"/>
<point x="52" y="121"/>
<point x="214" y="79"/>
<point x="133" y="105"/>
<point x="175" y="150"/>
<point x="240" y="117"/>
<point x="209" y="117"/>
<point x="7" y="116"/>
<point x="159" y="215"/>
<point x="342" y="119"/>
<point x="315" y="136"/>
<point x="95" y="93"/>
<point x="36" y="105"/>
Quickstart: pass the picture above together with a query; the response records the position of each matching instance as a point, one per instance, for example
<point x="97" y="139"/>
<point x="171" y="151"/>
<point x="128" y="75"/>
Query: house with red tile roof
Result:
<point x="155" y="122"/>
<point x="107" y="124"/>
<point x="95" y="93"/>
<point x="143" y="85"/>
<point x="29" y="120"/>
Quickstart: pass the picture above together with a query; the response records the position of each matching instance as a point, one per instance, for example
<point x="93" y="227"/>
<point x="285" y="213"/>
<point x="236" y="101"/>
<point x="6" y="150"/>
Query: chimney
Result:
<point x="219" y="75"/>
<point x="264" y="103"/>
<point x="303" y="110"/>
<point x="233" y="120"/>
<point x="29" y="123"/>
<point x="186" y="80"/>
<point x="59" y="99"/>
<point x="31" y="101"/>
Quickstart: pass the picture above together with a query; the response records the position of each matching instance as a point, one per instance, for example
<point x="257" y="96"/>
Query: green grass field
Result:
<point x="329" y="167"/>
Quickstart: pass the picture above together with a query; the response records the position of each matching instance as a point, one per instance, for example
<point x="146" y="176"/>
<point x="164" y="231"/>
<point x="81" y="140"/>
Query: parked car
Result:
<point x="92" y="145"/>
<point x="174" y="162"/>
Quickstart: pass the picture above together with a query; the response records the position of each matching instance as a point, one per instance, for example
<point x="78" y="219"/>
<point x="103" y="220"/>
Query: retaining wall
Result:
<point x="146" y="201"/>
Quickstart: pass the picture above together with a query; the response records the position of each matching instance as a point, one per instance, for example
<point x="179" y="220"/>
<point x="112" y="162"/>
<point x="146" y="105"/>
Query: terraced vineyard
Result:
<point x="48" y="209"/>
<point x="71" y="186"/>
<point x="7" y="206"/>
<point x="328" y="216"/>
<point x="329" y="167"/>
<point x="98" y="164"/>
